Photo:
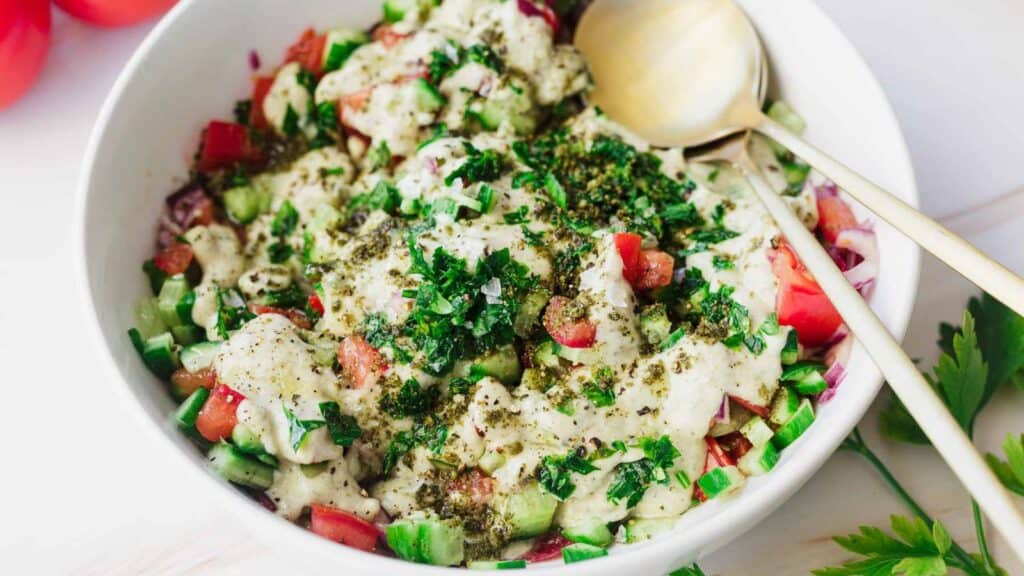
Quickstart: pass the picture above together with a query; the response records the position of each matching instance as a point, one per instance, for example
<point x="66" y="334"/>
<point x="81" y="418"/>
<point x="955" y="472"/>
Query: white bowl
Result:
<point x="193" y="66"/>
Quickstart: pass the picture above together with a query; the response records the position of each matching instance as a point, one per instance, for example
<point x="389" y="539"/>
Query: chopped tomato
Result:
<point x="834" y="216"/>
<point x="547" y="547"/>
<point x="568" y="331"/>
<point x="260" y="88"/>
<point x="315" y="304"/>
<point x="308" y="51"/>
<point x="475" y="484"/>
<point x="224" y="144"/>
<point x="340" y="526"/>
<point x="362" y="362"/>
<point x="186" y="382"/>
<point x="655" y="270"/>
<point x="296" y="316"/>
<point x="217" y="418"/>
<point x="628" y="245"/>
<point x="801" y="302"/>
<point x="387" y="36"/>
<point x="734" y="444"/>
<point x="174" y="259"/>
<point x="717" y="456"/>
<point x="354" y="101"/>
<point x="761" y="411"/>
<point x="531" y="8"/>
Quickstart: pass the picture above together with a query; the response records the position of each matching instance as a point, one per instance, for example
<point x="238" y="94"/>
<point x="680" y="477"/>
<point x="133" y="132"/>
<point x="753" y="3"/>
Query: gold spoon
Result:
<point x="690" y="72"/>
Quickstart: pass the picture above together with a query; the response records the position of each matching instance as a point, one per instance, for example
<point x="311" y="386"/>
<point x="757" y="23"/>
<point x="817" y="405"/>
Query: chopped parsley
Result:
<point x="344" y="429"/>
<point x="486" y="56"/>
<point x="379" y="157"/>
<point x="555" y="473"/>
<point x="599" y="391"/>
<point x="632" y="479"/>
<point x="290" y="124"/>
<point x="231" y="311"/>
<point x="411" y="400"/>
<point x="243" y="111"/>
<point x="479" y="166"/>
<point x="701" y="239"/>
<point x="433" y="437"/>
<point x="383" y="196"/>
<point x="722" y="263"/>
<point x="283" y="224"/>
<point x="291" y="297"/>
<point x="486" y="198"/>
<point x="533" y="238"/>
<point x="298" y="430"/>
<point x="520" y="216"/>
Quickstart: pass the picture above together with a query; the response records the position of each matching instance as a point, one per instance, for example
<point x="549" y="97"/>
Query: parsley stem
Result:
<point x="979" y="527"/>
<point x="855" y="443"/>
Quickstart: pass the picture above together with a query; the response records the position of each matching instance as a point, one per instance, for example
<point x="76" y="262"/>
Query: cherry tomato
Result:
<point x="655" y="269"/>
<point x="308" y="51"/>
<point x="24" y="42"/>
<point x="801" y="302"/>
<point x="340" y="526"/>
<point x="569" y="332"/>
<point x="114" y="12"/>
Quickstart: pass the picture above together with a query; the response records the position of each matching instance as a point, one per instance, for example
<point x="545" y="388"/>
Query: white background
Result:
<point x="81" y="493"/>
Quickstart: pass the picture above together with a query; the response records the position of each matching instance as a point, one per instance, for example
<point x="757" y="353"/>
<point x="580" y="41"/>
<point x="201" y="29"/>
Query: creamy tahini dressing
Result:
<point x="674" y="392"/>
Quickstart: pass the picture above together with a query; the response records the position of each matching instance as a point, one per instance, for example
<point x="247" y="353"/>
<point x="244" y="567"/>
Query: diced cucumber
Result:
<point x="641" y="529"/>
<point x="655" y="325"/>
<point x="244" y="203"/>
<point x="790" y="120"/>
<point x="198" y="356"/>
<point x="502" y="365"/>
<point x="188" y="411"/>
<point x="812" y="384"/>
<point x="530" y="511"/>
<point x="509" y="104"/>
<point x="579" y="552"/>
<point x="496" y="565"/>
<point x="784" y="406"/>
<point x="529" y="312"/>
<point x="759" y="460"/>
<point x="159" y="356"/>
<point x="491" y="461"/>
<point x="546" y="354"/>
<point x="172" y="292"/>
<point x="791" y="351"/>
<point x="592" y="531"/>
<point x="397" y="10"/>
<point x="428" y="97"/>
<point x="236" y="467"/>
<point x="187" y="334"/>
<point x="800" y="370"/>
<point x="721" y="481"/>
<point x="156" y="276"/>
<point x="339" y="45"/>
<point x="246" y="440"/>
<point x="427" y="540"/>
<point x="757" y="431"/>
<point x="148" y="318"/>
<point x="795" y="426"/>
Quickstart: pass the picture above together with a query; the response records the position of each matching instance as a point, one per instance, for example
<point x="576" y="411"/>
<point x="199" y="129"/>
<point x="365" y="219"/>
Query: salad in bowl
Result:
<point x="421" y="298"/>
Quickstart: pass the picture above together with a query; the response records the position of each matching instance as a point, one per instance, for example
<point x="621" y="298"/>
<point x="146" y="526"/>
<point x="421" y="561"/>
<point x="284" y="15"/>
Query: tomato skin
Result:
<point x="476" y="484"/>
<point x="217" y="418"/>
<point x="717" y="456"/>
<point x="628" y="245"/>
<point x="296" y="316"/>
<point x="24" y="43"/>
<point x="315" y="304"/>
<point x="529" y="8"/>
<point x="260" y="88"/>
<point x="801" y="303"/>
<point x="834" y="216"/>
<point x="174" y="259"/>
<point x="224" y="144"/>
<point x="387" y="36"/>
<point x="655" y="270"/>
<point x="761" y="411"/>
<point x="734" y="444"/>
<point x="362" y="362"/>
<point x="186" y="382"/>
<point x="308" y="51"/>
<point x="354" y="101"/>
<point x="547" y="547"/>
<point x="572" y="333"/>
<point x="340" y="526"/>
<point x="114" y="12"/>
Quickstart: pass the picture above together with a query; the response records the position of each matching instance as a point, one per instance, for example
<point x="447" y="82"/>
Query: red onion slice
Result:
<point x="863" y="243"/>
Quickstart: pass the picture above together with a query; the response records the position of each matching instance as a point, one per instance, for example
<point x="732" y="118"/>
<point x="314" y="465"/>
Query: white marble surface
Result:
<point x="83" y="494"/>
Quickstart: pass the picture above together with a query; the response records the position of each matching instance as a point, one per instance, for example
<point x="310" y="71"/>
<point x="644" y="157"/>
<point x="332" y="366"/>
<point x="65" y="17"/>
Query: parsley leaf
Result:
<point x="379" y="157"/>
<point x="411" y="400"/>
<point x="486" y="56"/>
<point x="1011" y="471"/>
<point x="285" y="221"/>
<point x="915" y="550"/>
<point x="344" y="428"/>
<point x="433" y="437"/>
<point x="480" y="166"/>
<point x="962" y="377"/>
<point x="520" y="216"/>
<point x="600" y="392"/>
<point x="701" y="239"/>
<point x="298" y="430"/>
<point x="231" y="311"/>
<point x="555" y="473"/>
<point x="632" y="479"/>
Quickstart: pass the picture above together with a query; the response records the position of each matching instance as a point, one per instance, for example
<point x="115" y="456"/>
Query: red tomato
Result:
<point x="475" y="484"/>
<point x="734" y="444"/>
<point x="186" y="382"/>
<point x="801" y="302"/>
<point x="629" y="250"/>
<point x="717" y="456"/>
<point x="296" y="316"/>
<point x="387" y="36"/>
<point x="174" y="259"/>
<point x="362" y="362"/>
<point x="354" y="101"/>
<point x="761" y="411"/>
<point x="570" y="332"/>
<point x="224" y="144"/>
<point x="114" y="12"/>
<point x="655" y="270"/>
<point x="315" y="304"/>
<point x="260" y="88"/>
<point x="217" y="418"/>
<point x="547" y="547"/>
<point x="24" y="42"/>
<point x="308" y="51"/>
<point x="834" y="216"/>
<point x="340" y="526"/>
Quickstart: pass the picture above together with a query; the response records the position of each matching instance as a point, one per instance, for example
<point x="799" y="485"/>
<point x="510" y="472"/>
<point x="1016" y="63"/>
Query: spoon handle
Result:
<point x="902" y="375"/>
<point x="956" y="252"/>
